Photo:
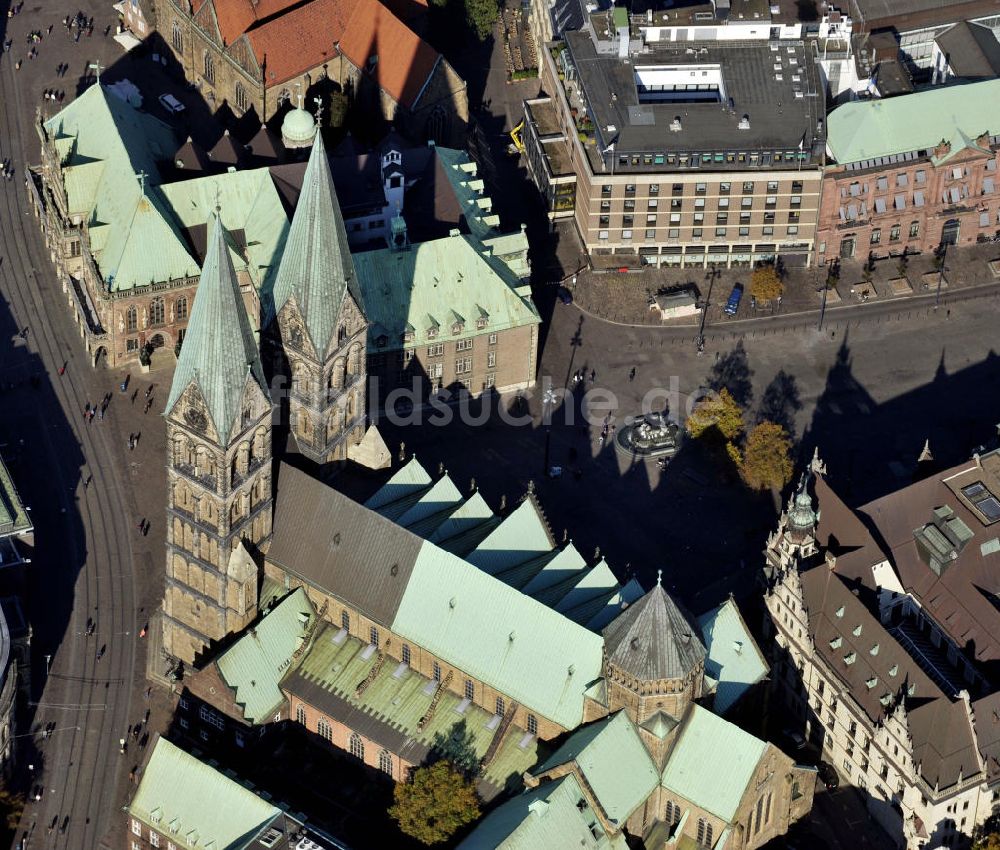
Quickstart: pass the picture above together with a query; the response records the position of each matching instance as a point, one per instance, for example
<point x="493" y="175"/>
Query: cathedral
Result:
<point x="307" y="362"/>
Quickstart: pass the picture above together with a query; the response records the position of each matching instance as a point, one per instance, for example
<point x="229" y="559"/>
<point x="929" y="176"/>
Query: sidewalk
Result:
<point x="624" y="297"/>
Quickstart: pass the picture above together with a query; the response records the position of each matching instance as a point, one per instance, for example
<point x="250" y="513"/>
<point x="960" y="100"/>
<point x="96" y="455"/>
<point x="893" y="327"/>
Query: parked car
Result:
<point x="828" y="774"/>
<point x="795" y="736"/>
<point x="733" y="304"/>
<point x="565" y="295"/>
<point x="171" y="103"/>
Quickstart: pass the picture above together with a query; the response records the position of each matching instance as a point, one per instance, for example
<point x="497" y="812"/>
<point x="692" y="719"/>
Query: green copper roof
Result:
<point x="220" y="353"/>
<point x="251" y="204"/>
<point x="398" y="698"/>
<point x="712" y="763"/>
<point x="734" y="661"/>
<point x="14" y="518"/>
<point x="523" y="648"/>
<point x="298" y="126"/>
<point x="865" y="129"/>
<point x="553" y="815"/>
<point x="521" y="535"/>
<point x="195" y="805"/>
<point x="612" y="758"/>
<point x="420" y="289"/>
<point x="254" y="665"/>
<point x="316" y="267"/>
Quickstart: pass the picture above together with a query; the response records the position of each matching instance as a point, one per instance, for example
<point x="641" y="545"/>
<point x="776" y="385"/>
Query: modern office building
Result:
<point x="670" y="151"/>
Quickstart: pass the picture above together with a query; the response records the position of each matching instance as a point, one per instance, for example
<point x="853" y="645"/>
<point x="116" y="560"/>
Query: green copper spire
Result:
<point x="220" y="350"/>
<point x="316" y="266"/>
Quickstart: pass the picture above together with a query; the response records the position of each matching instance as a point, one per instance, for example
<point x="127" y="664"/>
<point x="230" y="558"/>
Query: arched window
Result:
<point x="501" y="706"/>
<point x="532" y="724"/>
<point x="182" y="307"/>
<point x="300" y="714"/>
<point x="406" y="653"/>
<point x="385" y="762"/>
<point x="305" y="424"/>
<point x="131" y="320"/>
<point x="345" y="621"/>
<point x="177" y="37"/>
<point x="672" y="814"/>
<point x="704" y="833"/>
<point x="157" y="311"/>
<point x="209" y="67"/>
<point x="324" y="729"/>
<point x="357" y="746"/>
<point x="242" y="101"/>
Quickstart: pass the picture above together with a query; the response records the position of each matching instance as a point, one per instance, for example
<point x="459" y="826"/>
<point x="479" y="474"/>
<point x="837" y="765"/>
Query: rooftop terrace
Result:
<point x="719" y="105"/>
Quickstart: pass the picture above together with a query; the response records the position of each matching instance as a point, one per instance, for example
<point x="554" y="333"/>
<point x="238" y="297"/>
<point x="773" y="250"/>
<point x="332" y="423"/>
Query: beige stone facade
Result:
<point x="912" y="206"/>
<point x="218" y="507"/>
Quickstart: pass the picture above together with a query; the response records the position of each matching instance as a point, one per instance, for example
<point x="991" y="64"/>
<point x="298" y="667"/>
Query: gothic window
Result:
<point x="385" y="762"/>
<point x="131" y="320"/>
<point x="305" y="425"/>
<point x="242" y="101"/>
<point x="177" y="37"/>
<point x="532" y="724"/>
<point x="673" y="813"/>
<point x="470" y="690"/>
<point x="704" y="833"/>
<point x="406" y="653"/>
<point x="209" y="67"/>
<point x="283" y="97"/>
<point x="501" y="706"/>
<point x="182" y="307"/>
<point x="324" y="729"/>
<point x="357" y="746"/>
<point x="157" y="311"/>
<point x="341" y="335"/>
<point x="300" y="714"/>
<point x="345" y="621"/>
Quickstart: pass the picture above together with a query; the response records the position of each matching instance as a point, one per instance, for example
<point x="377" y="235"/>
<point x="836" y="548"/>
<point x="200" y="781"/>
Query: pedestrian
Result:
<point x="149" y="691"/>
<point x="135" y="395"/>
<point x="89" y="479"/>
<point x="593" y="375"/>
<point x="142" y="523"/>
<point x="62" y="369"/>
<point x="149" y="391"/>
<point x="145" y="531"/>
<point x="631" y="374"/>
<point x="149" y="404"/>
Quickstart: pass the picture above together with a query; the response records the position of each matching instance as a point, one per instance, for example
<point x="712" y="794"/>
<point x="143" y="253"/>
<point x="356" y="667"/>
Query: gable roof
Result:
<point x="712" y="763"/>
<point x="220" y="353"/>
<point x="866" y="129"/>
<point x="653" y="639"/>
<point x="254" y="665"/>
<point x="418" y="289"/>
<point x="735" y="662"/>
<point x="614" y="762"/>
<point x="180" y="795"/>
<point x="316" y="267"/>
<point x="547" y="816"/>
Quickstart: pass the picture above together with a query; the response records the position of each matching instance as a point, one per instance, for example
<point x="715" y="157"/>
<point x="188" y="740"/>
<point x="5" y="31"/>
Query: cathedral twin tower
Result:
<point x="220" y="410"/>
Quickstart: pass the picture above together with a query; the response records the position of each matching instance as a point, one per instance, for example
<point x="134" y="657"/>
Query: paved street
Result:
<point x="75" y="476"/>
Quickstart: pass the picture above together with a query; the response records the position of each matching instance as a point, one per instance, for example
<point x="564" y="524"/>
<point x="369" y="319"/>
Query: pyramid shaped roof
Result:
<point x="220" y="350"/>
<point x="316" y="267"/>
<point x="654" y="639"/>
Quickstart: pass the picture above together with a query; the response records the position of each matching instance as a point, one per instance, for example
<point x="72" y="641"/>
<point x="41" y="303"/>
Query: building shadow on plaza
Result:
<point x="33" y="433"/>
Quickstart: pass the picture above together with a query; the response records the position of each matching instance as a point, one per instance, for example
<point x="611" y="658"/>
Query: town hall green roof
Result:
<point x="427" y="285"/>
<point x="316" y="268"/>
<point x="196" y="805"/>
<point x="867" y="129"/>
<point x="14" y="518"/>
<point x="220" y="353"/>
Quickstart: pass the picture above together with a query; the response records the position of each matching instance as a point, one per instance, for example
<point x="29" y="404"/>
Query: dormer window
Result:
<point x="408" y="335"/>
<point x="482" y="322"/>
<point x="432" y="332"/>
<point x="457" y="328"/>
<point x="381" y="341"/>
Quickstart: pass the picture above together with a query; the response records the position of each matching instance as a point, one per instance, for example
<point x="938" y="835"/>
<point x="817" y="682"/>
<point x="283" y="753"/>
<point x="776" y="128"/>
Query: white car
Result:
<point x="171" y="103"/>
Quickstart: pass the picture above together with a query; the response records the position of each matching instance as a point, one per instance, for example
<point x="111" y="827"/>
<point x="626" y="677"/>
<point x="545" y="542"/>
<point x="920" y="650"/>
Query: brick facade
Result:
<point x="913" y="206"/>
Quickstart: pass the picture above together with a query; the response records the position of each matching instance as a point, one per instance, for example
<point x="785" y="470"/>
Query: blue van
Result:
<point x="733" y="304"/>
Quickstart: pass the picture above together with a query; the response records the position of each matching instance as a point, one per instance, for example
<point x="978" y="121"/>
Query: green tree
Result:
<point x="765" y="284"/>
<point x="991" y="841"/>
<point x="716" y="414"/>
<point x="436" y="802"/>
<point x="766" y="462"/>
<point x="11" y="807"/>
<point x="481" y="16"/>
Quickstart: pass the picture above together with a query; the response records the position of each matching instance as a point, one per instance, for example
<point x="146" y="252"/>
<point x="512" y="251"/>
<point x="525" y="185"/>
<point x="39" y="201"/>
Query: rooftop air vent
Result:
<point x="675" y="125"/>
<point x="744" y="123"/>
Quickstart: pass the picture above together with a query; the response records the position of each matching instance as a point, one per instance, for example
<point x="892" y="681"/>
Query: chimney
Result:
<point x="831" y="560"/>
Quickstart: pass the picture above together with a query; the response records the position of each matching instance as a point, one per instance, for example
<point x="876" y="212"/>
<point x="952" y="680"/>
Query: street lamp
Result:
<point x="711" y="275"/>
<point x="944" y="256"/>
<point x="48" y="661"/>
<point x="548" y="399"/>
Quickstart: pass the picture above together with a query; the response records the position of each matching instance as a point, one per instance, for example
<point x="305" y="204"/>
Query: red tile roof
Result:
<point x="405" y="61"/>
<point x="291" y="39"/>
